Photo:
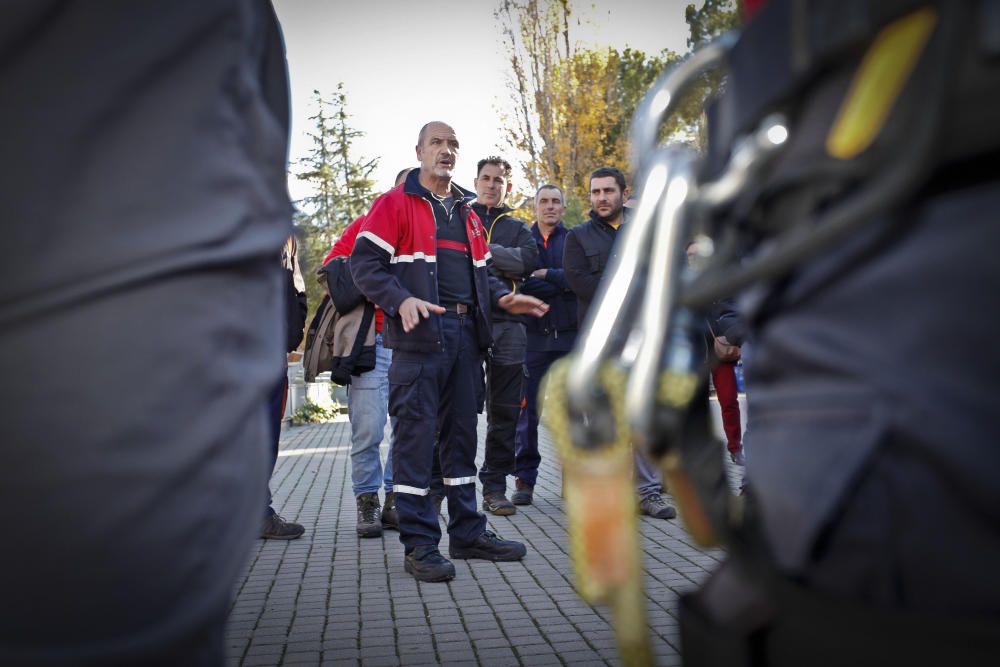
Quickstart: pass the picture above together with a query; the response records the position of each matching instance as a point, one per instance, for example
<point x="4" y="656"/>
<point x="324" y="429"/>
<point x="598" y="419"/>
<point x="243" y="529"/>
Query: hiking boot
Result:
<point x="489" y="547"/>
<point x="523" y="494"/>
<point x="497" y="503"/>
<point x="276" y="528"/>
<point x="427" y="564"/>
<point x="655" y="506"/>
<point x="369" y="515"/>
<point x="390" y="517"/>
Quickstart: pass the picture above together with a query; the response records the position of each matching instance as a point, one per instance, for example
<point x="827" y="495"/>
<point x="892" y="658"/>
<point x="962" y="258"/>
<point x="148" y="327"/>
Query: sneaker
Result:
<point x="369" y="515"/>
<point x="390" y="517"/>
<point x="497" y="503"/>
<point x="655" y="506"/>
<point x="523" y="494"/>
<point x="489" y="547"/>
<point x="738" y="457"/>
<point x="427" y="564"/>
<point x="276" y="528"/>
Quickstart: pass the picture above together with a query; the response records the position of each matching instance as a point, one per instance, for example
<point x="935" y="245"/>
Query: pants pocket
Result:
<point x="407" y="399"/>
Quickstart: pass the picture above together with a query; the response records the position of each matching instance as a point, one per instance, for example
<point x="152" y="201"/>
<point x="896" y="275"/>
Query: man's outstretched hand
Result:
<point x="522" y="304"/>
<point x="412" y="309"/>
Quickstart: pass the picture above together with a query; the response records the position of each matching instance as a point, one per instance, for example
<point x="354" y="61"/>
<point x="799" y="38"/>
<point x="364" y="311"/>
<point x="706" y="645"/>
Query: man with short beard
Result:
<point x="589" y="249"/>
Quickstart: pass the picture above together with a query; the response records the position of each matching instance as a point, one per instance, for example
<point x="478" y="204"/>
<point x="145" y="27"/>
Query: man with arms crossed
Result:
<point x="589" y="248"/>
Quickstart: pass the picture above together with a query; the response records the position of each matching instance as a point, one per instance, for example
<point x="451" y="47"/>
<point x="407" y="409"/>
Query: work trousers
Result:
<point x="527" y="458"/>
<point x="503" y="403"/>
<point x="436" y="395"/>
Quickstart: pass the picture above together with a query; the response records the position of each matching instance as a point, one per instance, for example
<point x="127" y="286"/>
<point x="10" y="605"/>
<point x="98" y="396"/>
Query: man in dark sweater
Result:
<point x="589" y="249"/>
<point x="514" y="255"/>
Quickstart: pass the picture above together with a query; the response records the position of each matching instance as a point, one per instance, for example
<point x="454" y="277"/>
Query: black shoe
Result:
<point x="390" y="517"/>
<point x="427" y="564"/>
<point x="276" y="528"/>
<point x="369" y="516"/>
<point x="497" y="503"/>
<point x="523" y="495"/>
<point x="489" y="547"/>
<point x="655" y="506"/>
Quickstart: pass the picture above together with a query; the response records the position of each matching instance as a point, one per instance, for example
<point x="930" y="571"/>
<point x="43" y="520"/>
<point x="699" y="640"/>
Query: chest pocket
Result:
<point x="595" y="263"/>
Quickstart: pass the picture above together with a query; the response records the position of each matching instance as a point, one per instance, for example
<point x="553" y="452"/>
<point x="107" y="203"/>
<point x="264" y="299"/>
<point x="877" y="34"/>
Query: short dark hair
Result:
<point x="550" y="186"/>
<point x="615" y="173"/>
<point x="498" y="161"/>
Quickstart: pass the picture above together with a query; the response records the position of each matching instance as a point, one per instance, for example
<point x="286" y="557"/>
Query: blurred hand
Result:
<point x="412" y="309"/>
<point x="522" y="304"/>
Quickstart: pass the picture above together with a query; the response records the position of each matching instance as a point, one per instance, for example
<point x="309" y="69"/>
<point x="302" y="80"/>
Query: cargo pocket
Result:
<point x="406" y="398"/>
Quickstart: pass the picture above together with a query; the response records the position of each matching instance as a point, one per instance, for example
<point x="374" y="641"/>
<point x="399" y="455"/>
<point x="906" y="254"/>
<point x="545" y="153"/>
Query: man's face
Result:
<point x="549" y="207"/>
<point x="491" y="185"/>
<point x="438" y="151"/>
<point x="606" y="198"/>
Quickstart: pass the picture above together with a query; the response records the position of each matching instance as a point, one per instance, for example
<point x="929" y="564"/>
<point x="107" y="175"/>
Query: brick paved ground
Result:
<point x="331" y="598"/>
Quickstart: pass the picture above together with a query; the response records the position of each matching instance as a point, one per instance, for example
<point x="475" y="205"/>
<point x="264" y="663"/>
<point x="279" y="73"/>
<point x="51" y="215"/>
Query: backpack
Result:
<point x="334" y="342"/>
<point x="340" y="284"/>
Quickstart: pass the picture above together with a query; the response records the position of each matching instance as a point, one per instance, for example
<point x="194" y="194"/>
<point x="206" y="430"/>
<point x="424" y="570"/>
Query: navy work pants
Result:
<point x="433" y="395"/>
<point x="527" y="458"/>
<point x="503" y="391"/>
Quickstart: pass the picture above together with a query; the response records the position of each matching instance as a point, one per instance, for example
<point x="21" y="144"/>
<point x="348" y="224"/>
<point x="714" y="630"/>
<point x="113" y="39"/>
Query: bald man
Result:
<point x="423" y="258"/>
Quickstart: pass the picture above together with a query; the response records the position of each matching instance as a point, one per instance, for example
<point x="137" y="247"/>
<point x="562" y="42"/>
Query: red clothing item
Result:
<point x="724" y="379"/>
<point x="343" y="247"/>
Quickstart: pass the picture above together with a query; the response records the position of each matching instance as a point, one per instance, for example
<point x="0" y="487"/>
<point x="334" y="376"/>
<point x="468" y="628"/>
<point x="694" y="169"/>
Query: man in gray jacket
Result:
<point x="514" y="257"/>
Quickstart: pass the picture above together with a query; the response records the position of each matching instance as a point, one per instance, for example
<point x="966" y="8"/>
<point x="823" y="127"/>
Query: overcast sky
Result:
<point x="404" y="63"/>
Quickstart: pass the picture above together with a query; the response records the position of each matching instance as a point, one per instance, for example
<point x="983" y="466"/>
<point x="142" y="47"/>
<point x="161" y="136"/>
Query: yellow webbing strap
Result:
<point x="602" y="514"/>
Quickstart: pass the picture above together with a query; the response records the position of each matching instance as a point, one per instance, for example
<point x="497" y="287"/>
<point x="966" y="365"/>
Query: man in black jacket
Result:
<point x="589" y="249"/>
<point x="514" y="255"/>
<point x="549" y="338"/>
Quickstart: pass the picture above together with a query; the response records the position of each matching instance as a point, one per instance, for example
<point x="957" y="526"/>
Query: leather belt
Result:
<point x="459" y="308"/>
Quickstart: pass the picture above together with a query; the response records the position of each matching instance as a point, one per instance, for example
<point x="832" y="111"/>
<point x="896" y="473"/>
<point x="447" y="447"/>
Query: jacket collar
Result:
<point x="412" y="186"/>
<point x="600" y="223"/>
<point x="481" y="209"/>
<point x="557" y="231"/>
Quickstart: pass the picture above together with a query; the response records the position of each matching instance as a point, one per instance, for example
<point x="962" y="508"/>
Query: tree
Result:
<point x="713" y="19"/>
<point x="573" y="105"/>
<point x="342" y="187"/>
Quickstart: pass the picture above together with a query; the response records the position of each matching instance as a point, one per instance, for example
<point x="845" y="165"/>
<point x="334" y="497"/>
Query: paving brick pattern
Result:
<point x="331" y="598"/>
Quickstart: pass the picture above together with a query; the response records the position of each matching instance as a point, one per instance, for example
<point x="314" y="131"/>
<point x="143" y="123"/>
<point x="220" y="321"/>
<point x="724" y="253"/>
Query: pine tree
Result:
<point x="341" y="184"/>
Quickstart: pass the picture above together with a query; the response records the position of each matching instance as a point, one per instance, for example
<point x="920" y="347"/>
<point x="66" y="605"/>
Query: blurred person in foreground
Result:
<point x="146" y="162"/>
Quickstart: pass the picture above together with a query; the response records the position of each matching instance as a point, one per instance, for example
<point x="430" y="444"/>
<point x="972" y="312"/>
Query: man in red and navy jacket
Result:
<point x="422" y="257"/>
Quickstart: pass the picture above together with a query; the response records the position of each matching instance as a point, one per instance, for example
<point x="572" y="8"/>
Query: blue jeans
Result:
<point x="367" y="408"/>
<point x="647" y="475"/>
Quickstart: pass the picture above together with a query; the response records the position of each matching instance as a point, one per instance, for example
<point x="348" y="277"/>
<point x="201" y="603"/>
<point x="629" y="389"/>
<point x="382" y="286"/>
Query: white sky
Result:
<point x="404" y="63"/>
